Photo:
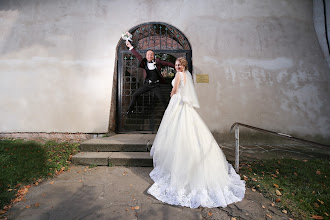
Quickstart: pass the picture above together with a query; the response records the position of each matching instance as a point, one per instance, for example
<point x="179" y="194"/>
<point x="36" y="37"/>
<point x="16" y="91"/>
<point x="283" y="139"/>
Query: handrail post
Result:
<point x="237" y="148"/>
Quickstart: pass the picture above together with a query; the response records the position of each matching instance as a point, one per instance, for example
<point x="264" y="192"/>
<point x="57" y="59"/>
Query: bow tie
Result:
<point x="151" y="61"/>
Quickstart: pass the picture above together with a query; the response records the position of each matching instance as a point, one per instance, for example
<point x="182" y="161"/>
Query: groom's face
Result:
<point x="150" y="55"/>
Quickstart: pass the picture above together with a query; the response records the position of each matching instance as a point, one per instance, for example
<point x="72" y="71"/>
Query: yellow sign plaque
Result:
<point x="202" y="78"/>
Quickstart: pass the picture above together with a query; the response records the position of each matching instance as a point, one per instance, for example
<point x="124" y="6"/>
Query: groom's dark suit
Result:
<point x="152" y="78"/>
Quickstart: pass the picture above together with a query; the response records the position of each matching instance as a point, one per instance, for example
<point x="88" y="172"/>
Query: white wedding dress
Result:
<point x="190" y="169"/>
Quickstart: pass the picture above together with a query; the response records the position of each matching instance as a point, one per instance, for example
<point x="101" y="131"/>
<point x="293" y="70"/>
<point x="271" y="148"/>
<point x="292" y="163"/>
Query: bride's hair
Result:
<point x="183" y="62"/>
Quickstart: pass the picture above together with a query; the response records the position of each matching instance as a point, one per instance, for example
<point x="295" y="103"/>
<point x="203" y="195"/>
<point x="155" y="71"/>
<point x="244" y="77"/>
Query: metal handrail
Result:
<point x="237" y="124"/>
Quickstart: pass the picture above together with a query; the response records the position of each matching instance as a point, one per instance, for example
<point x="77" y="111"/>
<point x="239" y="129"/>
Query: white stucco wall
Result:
<point x="264" y="62"/>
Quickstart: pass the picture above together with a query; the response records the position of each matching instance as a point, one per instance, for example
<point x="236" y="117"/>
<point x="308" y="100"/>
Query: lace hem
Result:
<point x="218" y="197"/>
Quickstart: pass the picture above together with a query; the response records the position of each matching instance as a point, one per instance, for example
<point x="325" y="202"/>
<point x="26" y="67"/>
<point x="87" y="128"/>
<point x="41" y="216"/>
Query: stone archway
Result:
<point x="168" y="43"/>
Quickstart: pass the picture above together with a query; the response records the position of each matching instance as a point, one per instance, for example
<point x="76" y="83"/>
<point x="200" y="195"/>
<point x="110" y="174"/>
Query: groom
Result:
<point x="153" y="76"/>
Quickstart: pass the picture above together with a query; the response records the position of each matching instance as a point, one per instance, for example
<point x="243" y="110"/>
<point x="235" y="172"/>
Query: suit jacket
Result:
<point x="159" y="64"/>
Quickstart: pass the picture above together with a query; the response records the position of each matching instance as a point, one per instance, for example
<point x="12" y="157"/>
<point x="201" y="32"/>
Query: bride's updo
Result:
<point x="183" y="62"/>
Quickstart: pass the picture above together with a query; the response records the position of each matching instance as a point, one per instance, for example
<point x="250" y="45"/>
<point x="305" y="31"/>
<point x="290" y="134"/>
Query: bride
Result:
<point x="190" y="169"/>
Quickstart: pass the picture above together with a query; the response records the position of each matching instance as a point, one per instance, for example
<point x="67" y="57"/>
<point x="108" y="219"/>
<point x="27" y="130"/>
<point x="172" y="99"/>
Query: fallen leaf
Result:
<point x="278" y="192"/>
<point x="273" y="204"/>
<point x="295" y="174"/>
<point x="27" y="207"/>
<point x="326" y="214"/>
<point x="52" y="182"/>
<point x="316" y="205"/>
<point x="254" y="190"/>
<point x="269" y="216"/>
<point x="317" y="217"/>
<point x="130" y="185"/>
<point x="137" y="207"/>
<point x="126" y="209"/>
<point x="305" y="160"/>
<point x="80" y="181"/>
<point x="36" y="183"/>
<point x="2" y="212"/>
<point x="209" y="214"/>
<point x="278" y="200"/>
<point x="85" y="170"/>
<point x="263" y="206"/>
<point x="37" y="204"/>
<point x="318" y="172"/>
<point x="233" y="218"/>
<point x="276" y="185"/>
<point x="284" y="211"/>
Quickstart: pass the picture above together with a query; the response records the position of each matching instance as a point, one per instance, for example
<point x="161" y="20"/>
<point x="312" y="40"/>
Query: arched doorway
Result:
<point x="168" y="43"/>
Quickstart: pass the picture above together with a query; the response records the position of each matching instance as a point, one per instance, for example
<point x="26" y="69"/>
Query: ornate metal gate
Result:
<point x="168" y="43"/>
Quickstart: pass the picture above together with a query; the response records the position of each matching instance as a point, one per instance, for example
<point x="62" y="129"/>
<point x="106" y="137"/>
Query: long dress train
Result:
<point x="190" y="169"/>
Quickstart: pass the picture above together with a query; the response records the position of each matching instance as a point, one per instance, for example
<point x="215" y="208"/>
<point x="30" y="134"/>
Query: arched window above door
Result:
<point x="157" y="36"/>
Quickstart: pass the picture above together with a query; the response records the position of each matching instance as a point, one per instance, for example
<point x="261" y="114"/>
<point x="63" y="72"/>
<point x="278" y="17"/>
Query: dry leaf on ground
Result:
<point x="278" y="192"/>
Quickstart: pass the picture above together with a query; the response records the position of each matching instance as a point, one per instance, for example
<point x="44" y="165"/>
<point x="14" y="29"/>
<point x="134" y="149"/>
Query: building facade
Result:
<point x="61" y="62"/>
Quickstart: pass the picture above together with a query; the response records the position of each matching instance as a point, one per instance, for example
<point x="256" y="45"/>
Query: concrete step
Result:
<point x="113" y="158"/>
<point x="141" y="159"/>
<point x="119" y="142"/>
<point x="117" y="150"/>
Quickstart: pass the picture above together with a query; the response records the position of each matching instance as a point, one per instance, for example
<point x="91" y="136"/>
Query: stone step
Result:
<point x="119" y="142"/>
<point x="113" y="159"/>
<point x="117" y="150"/>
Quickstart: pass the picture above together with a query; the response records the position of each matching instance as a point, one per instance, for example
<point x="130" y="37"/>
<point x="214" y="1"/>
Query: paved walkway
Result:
<point x="121" y="193"/>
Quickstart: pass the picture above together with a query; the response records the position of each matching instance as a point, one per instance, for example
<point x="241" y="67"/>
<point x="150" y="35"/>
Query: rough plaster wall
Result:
<point x="56" y="67"/>
<point x="263" y="59"/>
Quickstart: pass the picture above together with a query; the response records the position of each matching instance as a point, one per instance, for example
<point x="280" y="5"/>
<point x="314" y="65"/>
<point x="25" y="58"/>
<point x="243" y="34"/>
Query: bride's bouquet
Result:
<point x="127" y="36"/>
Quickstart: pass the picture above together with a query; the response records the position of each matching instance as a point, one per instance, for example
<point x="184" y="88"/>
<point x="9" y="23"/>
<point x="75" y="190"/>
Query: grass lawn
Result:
<point x="301" y="187"/>
<point x="23" y="163"/>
